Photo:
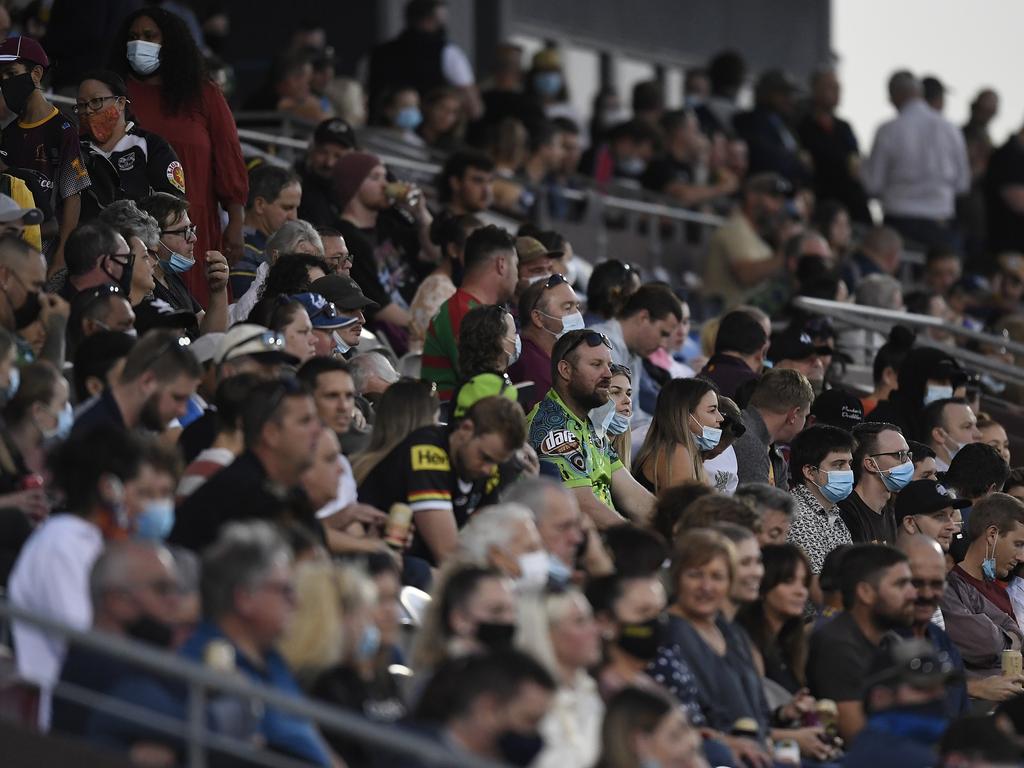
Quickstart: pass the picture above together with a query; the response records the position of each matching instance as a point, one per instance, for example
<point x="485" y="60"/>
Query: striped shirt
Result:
<point x="441" y="347"/>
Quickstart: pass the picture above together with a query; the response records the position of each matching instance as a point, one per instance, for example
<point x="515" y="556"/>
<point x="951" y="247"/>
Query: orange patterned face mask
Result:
<point x="101" y="124"/>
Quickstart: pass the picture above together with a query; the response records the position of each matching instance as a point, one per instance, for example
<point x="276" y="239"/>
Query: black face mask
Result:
<point x="128" y="267"/>
<point x="151" y="631"/>
<point x="642" y="640"/>
<point x="494" y="635"/>
<point x="519" y="748"/>
<point x="17" y="91"/>
<point x="27" y="313"/>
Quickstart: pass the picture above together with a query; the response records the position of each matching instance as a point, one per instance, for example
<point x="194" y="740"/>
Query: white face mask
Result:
<point x="937" y="392"/>
<point x="143" y="56"/>
<point x="340" y="347"/>
<point x="516" y="352"/>
<point x="571" y="322"/>
<point x="533" y="571"/>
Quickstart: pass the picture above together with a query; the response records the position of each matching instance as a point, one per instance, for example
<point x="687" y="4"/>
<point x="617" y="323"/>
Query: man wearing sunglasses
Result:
<point x="566" y="441"/>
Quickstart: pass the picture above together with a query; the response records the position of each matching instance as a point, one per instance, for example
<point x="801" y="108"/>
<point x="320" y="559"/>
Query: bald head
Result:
<point x="122" y="565"/>
<point x="921" y="546"/>
<point x="928" y="571"/>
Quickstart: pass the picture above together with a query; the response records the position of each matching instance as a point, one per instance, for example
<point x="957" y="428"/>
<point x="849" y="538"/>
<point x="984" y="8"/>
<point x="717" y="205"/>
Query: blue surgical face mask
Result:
<point x="65" y="420"/>
<point x="937" y="392"/>
<point x="709" y="437"/>
<point x="558" y="572"/>
<point x="408" y="118"/>
<point x="897" y="478"/>
<point x="618" y="425"/>
<point x="176" y="262"/>
<point x="144" y="56"/>
<point x="13" y="383"/>
<point x="988" y="565"/>
<point x="156" y="521"/>
<point x="369" y="643"/>
<point x="838" y="486"/>
<point x="548" y="83"/>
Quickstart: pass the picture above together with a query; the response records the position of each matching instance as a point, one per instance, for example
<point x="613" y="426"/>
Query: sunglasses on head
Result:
<point x="593" y="339"/>
<point x="553" y="280"/>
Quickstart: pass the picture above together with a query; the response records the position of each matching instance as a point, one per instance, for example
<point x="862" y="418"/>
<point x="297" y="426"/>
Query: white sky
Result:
<point x="968" y="44"/>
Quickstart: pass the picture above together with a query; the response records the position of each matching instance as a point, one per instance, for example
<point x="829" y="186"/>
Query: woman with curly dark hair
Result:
<point x="611" y="283"/>
<point x="170" y="91"/>
<point x="488" y="342"/>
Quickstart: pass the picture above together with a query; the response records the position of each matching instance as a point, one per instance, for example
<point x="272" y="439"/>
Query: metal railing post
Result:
<point x="196" y="724"/>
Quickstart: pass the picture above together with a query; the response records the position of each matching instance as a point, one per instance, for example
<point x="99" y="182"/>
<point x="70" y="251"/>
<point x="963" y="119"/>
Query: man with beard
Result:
<point x="135" y="593"/>
<point x="444" y="474"/>
<point x="566" y="440"/>
<point x="332" y="139"/>
<point x="976" y="607"/>
<point x="160" y="375"/>
<point x="742" y="252"/>
<point x="280" y="428"/>
<point x="928" y="570"/>
<point x="878" y="596"/>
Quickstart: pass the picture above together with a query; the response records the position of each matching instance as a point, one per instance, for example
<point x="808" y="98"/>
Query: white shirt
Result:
<point x="51" y="578"/>
<point x="455" y="66"/>
<point x="572" y="727"/>
<point x="723" y="471"/>
<point x="918" y="164"/>
<point x="347" y="493"/>
<point x="622" y="356"/>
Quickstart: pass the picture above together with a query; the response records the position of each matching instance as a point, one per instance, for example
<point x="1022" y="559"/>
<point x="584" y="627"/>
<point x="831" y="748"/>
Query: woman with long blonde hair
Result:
<point x="404" y="407"/>
<point x="686" y="421"/>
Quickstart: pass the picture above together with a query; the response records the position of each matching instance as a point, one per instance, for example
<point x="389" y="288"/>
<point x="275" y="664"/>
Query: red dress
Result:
<point x="205" y="139"/>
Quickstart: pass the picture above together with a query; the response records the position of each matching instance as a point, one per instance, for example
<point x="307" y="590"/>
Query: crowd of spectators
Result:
<point x="314" y="427"/>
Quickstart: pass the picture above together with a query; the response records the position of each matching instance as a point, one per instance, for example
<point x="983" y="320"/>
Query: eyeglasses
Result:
<point x="188" y="232"/>
<point x="901" y="456"/>
<point x="92" y="105"/>
<point x="593" y="339"/>
<point x="341" y="258"/>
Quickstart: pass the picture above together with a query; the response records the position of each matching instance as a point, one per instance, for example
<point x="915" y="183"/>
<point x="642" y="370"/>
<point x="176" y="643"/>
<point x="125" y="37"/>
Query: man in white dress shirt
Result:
<point x="917" y="167"/>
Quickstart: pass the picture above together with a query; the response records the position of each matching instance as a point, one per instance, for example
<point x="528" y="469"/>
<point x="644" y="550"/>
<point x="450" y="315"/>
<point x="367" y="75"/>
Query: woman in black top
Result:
<point x="124" y="161"/>
<point x="775" y="621"/>
<point x="38" y="411"/>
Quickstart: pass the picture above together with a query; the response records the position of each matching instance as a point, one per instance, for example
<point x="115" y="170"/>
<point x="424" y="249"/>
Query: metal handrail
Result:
<point x="200" y="678"/>
<point x="882" y="320"/>
<point x="826" y="307"/>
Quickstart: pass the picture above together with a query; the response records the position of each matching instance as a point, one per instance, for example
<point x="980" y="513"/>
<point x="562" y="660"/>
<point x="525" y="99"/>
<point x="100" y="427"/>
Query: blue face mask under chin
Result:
<point x="176" y="262"/>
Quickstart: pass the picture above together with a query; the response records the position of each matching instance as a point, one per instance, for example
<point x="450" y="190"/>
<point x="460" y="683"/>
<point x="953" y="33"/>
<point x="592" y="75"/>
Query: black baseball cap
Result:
<point x="794" y="345"/>
<point x="837" y="408"/>
<point x="925" y="497"/>
<point x="344" y="292"/>
<point x="335" y="131"/>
